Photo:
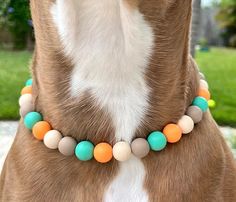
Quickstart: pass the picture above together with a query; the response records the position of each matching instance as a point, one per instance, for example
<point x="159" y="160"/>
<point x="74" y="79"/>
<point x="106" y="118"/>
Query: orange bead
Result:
<point x="103" y="152"/>
<point x="204" y="93"/>
<point x="40" y="129"/>
<point x="26" y="90"/>
<point x="173" y="133"/>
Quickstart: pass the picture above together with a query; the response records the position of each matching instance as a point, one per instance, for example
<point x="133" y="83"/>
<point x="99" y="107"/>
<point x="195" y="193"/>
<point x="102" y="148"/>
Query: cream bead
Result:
<point x="121" y="151"/>
<point x="52" y="139"/>
<point x="25" y="109"/>
<point x="201" y="75"/>
<point x="67" y="146"/>
<point x="186" y="124"/>
<point x="203" y="84"/>
<point x="25" y="99"/>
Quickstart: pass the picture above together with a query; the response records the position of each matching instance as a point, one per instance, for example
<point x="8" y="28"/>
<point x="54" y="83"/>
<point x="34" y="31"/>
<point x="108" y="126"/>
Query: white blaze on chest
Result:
<point x="110" y="45"/>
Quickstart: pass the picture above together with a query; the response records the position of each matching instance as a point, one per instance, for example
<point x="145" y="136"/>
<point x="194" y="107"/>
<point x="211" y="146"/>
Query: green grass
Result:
<point x="13" y="73"/>
<point x="219" y="66"/>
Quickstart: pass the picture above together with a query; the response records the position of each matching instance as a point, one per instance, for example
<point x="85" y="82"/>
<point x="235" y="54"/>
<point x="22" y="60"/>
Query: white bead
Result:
<point x="186" y="124"/>
<point x="52" y="139"/>
<point x="25" y="109"/>
<point x="25" y="99"/>
<point x="67" y="146"/>
<point x="121" y="151"/>
<point x="203" y="84"/>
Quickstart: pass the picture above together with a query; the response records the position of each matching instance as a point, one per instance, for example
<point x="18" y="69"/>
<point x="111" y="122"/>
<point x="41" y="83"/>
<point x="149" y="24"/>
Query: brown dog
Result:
<point x="111" y="70"/>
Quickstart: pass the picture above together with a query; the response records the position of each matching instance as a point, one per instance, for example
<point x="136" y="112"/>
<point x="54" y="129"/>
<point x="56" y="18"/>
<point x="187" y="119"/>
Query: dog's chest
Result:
<point x="109" y="44"/>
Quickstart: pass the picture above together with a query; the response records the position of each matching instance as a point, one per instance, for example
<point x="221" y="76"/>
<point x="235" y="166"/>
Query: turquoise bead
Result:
<point x="201" y="102"/>
<point x="84" y="151"/>
<point x="31" y="119"/>
<point x="157" y="141"/>
<point x="29" y="82"/>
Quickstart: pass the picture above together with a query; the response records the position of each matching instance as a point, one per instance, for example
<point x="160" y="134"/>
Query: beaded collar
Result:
<point x="121" y="151"/>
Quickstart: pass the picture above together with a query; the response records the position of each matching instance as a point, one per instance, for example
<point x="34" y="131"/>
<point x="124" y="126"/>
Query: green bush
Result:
<point x="15" y="16"/>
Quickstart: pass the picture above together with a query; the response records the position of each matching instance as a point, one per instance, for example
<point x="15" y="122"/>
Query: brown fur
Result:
<point x="198" y="168"/>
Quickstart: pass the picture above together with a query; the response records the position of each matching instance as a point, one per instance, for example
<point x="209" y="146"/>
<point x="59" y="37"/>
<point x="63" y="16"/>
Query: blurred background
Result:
<point x="213" y="45"/>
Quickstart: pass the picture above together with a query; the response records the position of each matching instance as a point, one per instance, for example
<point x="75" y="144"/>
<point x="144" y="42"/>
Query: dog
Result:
<point x="113" y="70"/>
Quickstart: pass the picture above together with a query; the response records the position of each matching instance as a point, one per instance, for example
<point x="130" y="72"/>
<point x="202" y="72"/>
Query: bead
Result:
<point x="52" y="139"/>
<point x="67" y="146"/>
<point x="157" y="141"/>
<point x="25" y="109"/>
<point x="84" y="151"/>
<point x="29" y="82"/>
<point x="201" y="102"/>
<point x="203" y="84"/>
<point x="195" y="113"/>
<point x="212" y="103"/>
<point x="40" y="129"/>
<point x="201" y="75"/>
<point x="203" y="92"/>
<point x="173" y="133"/>
<point x="103" y="152"/>
<point x="186" y="124"/>
<point x="25" y="99"/>
<point x="31" y="119"/>
<point x="140" y="147"/>
<point x="26" y="90"/>
<point x="121" y="151"/>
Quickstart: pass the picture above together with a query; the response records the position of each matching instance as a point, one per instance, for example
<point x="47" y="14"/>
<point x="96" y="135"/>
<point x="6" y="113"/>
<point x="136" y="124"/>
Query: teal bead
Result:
<point x="157" y="141"/>
<point x="84" y="151"/>
<point x="29" y="82"/>
<point x="201" y="102"/>
<point x="31" y="119"/>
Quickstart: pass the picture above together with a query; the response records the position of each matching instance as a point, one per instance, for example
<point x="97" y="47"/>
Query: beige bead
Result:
<point x="67" y="146"/>
<point x="140" y="147"/>
<point x="25" y="99"/>
<point x="203" y="84"/>
<point x="121" y="151"/>
<point x="186" y="124"/>
<point x="25" y="109"/>
<point x="195" y="113"/>
<point x="52" y="139"/>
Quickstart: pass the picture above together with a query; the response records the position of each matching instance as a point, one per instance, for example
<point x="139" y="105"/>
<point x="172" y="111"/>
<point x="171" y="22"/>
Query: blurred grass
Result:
<point x="13" y="73"/>
<point x="219" y="66"/>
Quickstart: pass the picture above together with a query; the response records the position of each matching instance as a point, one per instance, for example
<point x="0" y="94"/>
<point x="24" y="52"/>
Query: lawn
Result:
<point x="13" y="73"/>
<point x="219" y="66"/>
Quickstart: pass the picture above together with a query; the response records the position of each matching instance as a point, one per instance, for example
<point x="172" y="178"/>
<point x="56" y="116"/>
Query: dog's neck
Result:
<point x="111" y="70"/>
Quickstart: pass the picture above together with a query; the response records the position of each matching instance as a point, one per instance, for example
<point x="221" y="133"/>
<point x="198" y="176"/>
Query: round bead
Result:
<point x="173" y="133"/>
<point x="121" y="151"/>
<point x="195" y="113"/>
<point x="103" y="152"/>
<point x="25" y="109"/>
<point x="67" y="146"/>
<point x="157" y="141"/>
<point x="186" y="124"/>
<point x="203" y="92"/>
<point x="26" y="90"/>
<point x="29" y="82"/>
<point x="84" y="151"/>
<point x="25" y="99"/>
<point x="203" y="84"/>
<point x="52" y="139"/>
<point x="31" y="119"/>
<point x="140" y="147"/>
<point x="212" y="103"/>
<point x="201" y="102"/>
<point x="40" y="129"/>
<point x="202" y="76"/>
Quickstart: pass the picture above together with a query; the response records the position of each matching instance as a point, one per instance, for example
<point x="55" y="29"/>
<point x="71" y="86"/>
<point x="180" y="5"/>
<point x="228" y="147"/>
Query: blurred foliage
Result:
<point x="15" y="17"/>
<point x="227" y="20"/>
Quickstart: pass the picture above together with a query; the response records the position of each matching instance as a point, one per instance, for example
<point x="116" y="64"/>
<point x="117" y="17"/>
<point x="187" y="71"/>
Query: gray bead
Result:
<point x="195" y="113"/>
<point x="202" y="76"/>
<point x="140" y="147"/>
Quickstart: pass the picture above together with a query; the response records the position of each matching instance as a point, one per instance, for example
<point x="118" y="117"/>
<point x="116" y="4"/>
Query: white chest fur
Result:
<point x="109" y="44"/>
